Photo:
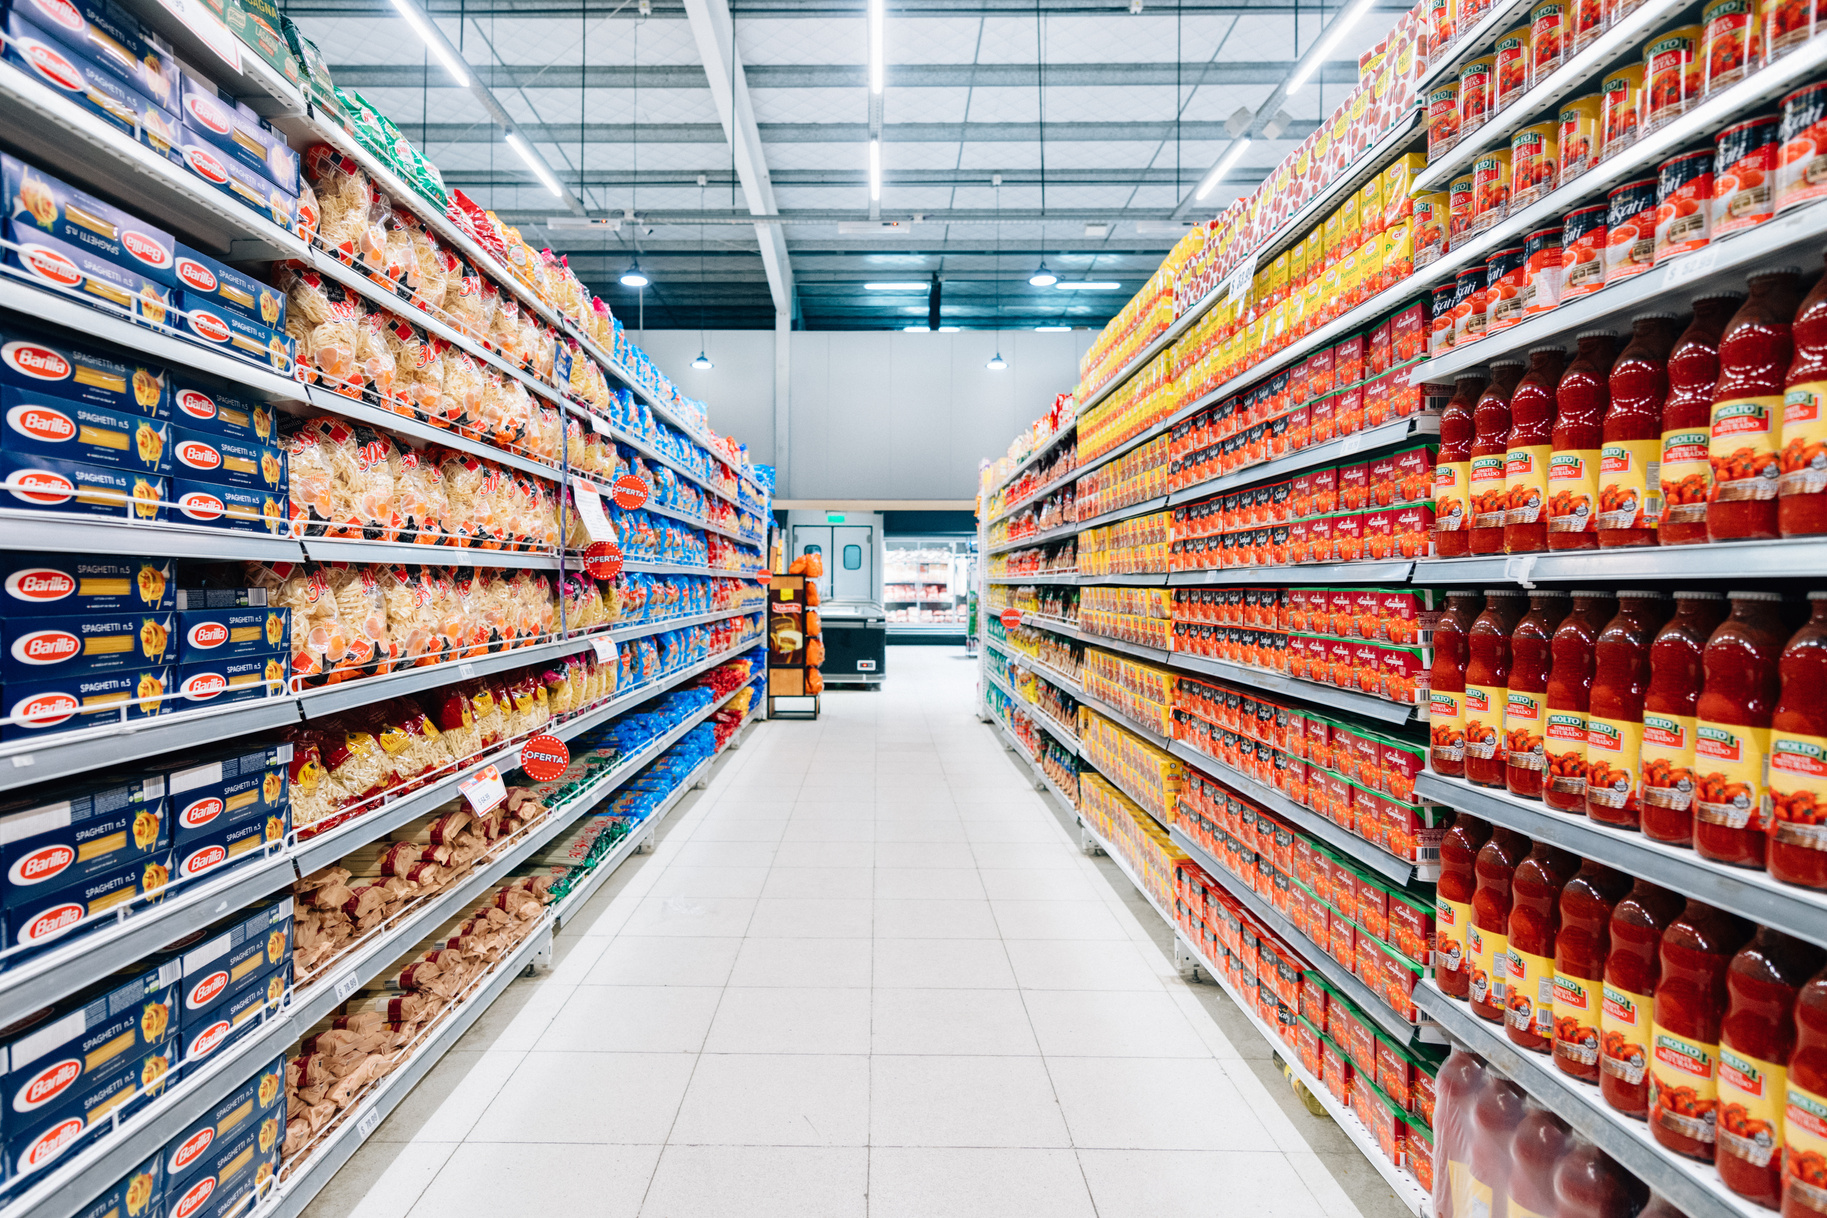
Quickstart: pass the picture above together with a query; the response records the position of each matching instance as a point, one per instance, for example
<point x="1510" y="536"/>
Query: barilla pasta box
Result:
<point x="233" y="1017"/>
<point x="237" y="958"/>
<point x="85" y="82"/>
<point x="237" y="133"/>
<point x="228" y="330"/>
<point x="38" y="585"/>
<point x="36" y="1140"/>
<point x="64" y="704"/>
<point x="203" y="278"/>
<point x="95" y="829"/>
<point x="201" y="408"/>
<point x="35" y="423"/>
<point x="222" y="598"/>
<point x="233" y="1172"/>
<point x="224" y="460"/>
<point x="80" y="272"/>
<point x="221" y="847"/>
<point x="50" y="366"/>
<point x="247" y="1108"/>
<point x="38" y="203"/>
<point x="138" y="1194"/>
<point x="47" y="917"/>
<point x="88" y="1034"/>
<point x="240" y="785"/>
<point x="236" y="180"/>
<point x="220" y="682"/>
<point x="106" y="35"/>
<point x="219" y="634"/>
<point x="212" y="505"/>
<point x="40" y="648"/>
<point x="76" y="488"/>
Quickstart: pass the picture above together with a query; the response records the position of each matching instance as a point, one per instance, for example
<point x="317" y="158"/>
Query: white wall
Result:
<point x="877" y="414"/>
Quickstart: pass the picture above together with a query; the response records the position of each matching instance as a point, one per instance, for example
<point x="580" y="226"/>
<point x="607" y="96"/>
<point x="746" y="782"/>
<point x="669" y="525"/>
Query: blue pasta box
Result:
<point x="238" y="133"/>
<point x="237" y="958"/>
<point x="233" y="1017"/>
<point x="223" y="598"/>
<point x="224" y="460"/>
<point x="239" y="785"/>
<point x="36" y="585"/>
<point x="77" y="374"/>
<point x="138" y="1194"/>
<point x="65" y="704"/>
<point x="41" y="204"/>
<point x="48" y="484"/>
<point x="203" y="278"/>
<point x="87" y="1034"/>
<point x="88" y="84"/>
<point x="232" y="178"/>
<point x="50" y="916"/>
<point x="74" y="271"/>
<point x="201" y="408"/>
<point x="96" y="828"/>
<point x="45" y="648"/>
<point x="221" y="682"/>
<point x="35" y="423"/>
<point x="212" y="505"/>
<point x="219" y="849"/>
<point x="37" y="1141"/>
<point x="230" y="331"/>
<point x="106" y="35"/>
<point x="248" y="1108"/>
<point x="233" y="1173"/>
<point x="220" y="634"/>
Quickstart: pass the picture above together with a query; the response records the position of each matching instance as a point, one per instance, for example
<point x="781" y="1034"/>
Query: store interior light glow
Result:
<point x="997" y="363"/>
<point x="875" y="169"/>
<point x="433" y="43"/>
<point x="1330" y="40"/>
<point x="1042" y="277"/>
<point x="1051" y="329"/>
<point x="908" y="285"/>
<point x="634" y="276"/>
<point x="535" y="164"/>
<point x="1088" y="285"/>
<point x="878" y="18"/>
<point x="1223" y="167"/>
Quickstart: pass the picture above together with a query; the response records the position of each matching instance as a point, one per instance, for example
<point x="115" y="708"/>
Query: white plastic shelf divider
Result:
<point x="1361" y="995"/>
<point x="1796" y="557"/>
<point x="1694" y="1187"/>
<point x="1797" y="911"/>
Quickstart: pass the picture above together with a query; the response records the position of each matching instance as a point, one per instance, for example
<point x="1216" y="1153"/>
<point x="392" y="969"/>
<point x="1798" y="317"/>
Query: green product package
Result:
<point x="315" y="71"/>
<point x="259" y="25"/>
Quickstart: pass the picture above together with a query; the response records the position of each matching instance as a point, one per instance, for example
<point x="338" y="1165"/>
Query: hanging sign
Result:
<point x="483" y="789"/>
<point x="544" y="757"/>
<point x="1011" y="618"/>
<point x="590" y="511"/>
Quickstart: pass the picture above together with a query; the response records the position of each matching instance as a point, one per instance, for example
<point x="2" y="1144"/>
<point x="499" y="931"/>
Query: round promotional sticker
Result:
<point x="544" y="758"/>
<point x="1011" y="618"/>
<point x="631" y="492"/>
<point x="603" y="560"/>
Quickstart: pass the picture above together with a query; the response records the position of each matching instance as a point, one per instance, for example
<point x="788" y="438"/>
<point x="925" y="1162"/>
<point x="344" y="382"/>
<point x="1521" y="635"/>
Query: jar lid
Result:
<point x="1594" y="593"/>
<point x="1535" y="592"/>
<point x="1819" y="594"/>
<point x="1508" y="361"/>
<point x="1774" y="270"/>
<point x="1697" y="594"/>
<point x="1725" y="295"/>
<point x="1503" y="591"/>
<point x="1640" y="592"/>
<point x="1480" y="372"/>
<point x="1659" y="315"/>
<point x="1547" y="347"/>
<point x="1583" y="335"/>
<point x="1755" y="596"/>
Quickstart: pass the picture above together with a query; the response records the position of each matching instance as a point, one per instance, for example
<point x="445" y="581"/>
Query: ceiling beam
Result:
<point x="846" y="133"/>
<point x="482" y="179"/>
<point x="840" y="76"/>
<point x="675" y="9"/>
<point x="715" y="33"/>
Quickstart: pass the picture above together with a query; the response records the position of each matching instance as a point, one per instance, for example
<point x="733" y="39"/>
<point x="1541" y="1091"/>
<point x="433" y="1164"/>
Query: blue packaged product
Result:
<point x="91" y="584"/>
<point x="78" y="374"/>
<point x="236" y="957"/>
<point x="225" y="461"/>
<point x="239" y="784"/>
<point x="75" y="271"/>
<point x="201" y="408"/>
<point x="48" y="648"/>
<point x="37" y="424"/>
<point x="213" y="505"/>
<point x="217" y="634"/>
<point x="233" y="1173"/>
<point x="220" y="682"/>
<point x="69" y="703"/>
<point x="37" y="1140"/>
<point x="138" y="1194"/>
<point x="105" y="35"/>
<point x="237" y="133"/>
<point x="205" y="279"/>
<point x="236" y="180"/>
<point x="247" y="1108"/>
<point x="227" y="330"/>
<point x="90" y="85"/>
<point x="42" y="205"/>
<point x="95" y="828"/>
<point x="51" y="484"/>
<point x="220" y="847"/>
<point x="49" y="916"/>
<point x="86" y="1035"/>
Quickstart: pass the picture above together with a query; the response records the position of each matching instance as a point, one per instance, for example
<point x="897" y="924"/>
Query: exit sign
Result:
<point x="834" y="518"/>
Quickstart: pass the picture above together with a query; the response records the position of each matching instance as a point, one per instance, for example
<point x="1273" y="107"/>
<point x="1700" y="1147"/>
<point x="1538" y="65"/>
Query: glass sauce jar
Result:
<point x="1490" y="456"/>
<point x="1614" y="719"/>
<point x="1798" y="756"/>
<point x="1693" y="371"/>
<point x="1801" y="506"/>
<point x="1487" y="679"/>
<point x="1535" y="918"/>
<point x="1459" y="848"/>
<point x="1525" y="476"/>
<point x="1695" y="951"/>
<point x="1590" y="1184"/>
<point x="1665" y="795"/>
<point x="1581" y="399"/>
<point x="1732" y="730"/>
<point x="1580" y="947"/>
<point x="1630" y="508"/>
<point x="1535" y="1149"/>
<point x="1453" y="468"/>
<point x="1805" y="1114"/>
<point x="1754" y="354"/>
<point x="1631" y="971"/>
<point x="1525" y="715"/>
<point x="1499" y="1109"/>
<point x="1488" y="941"/>
<point x="1446" y="688"/>
<point x="1569" y="694"/>
<point x="1755" y="1041"/>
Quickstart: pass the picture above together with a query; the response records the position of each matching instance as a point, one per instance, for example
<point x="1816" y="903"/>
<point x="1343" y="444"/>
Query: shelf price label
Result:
<point x="346" y="985"/>
<point x="484" y="789"/>
<point x="605" y="649"/>
<point x="590" y="511"/>
<point x="1237" y="283"/>
<point x="603" y="560"/>
<point x="203" y="23"/>
<point x="368" y="1122"/>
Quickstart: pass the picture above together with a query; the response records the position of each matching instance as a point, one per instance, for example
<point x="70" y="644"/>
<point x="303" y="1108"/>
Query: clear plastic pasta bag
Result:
<point x="322" y="318"/>
<point x="320" y="642"/>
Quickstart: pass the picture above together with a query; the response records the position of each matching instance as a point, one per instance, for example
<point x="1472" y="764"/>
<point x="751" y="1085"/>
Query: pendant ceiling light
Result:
<point x="634" y="276"/>
<point x="1042" y="277"/>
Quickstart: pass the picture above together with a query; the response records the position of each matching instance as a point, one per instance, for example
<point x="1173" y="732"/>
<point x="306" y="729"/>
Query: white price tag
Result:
<point x="1692" y="266"/>
<point x="1237" y="283"/>
<point x="1518" y="568"/>
<point x="22" y="760"/>
<point x="598" y="426"/>
<point x="483" y="789"/>
<point x="201" y="22"/>
<point x="605" y="649"/>
<point x="466" y="670"/>
<point x="590" y="511"/>
<point x="346" y="985"/>
<point x="369" y="1119"/>
<point x="1351" y="443"/>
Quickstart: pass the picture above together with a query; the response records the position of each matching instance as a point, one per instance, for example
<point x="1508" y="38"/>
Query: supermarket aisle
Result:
<point x="867" y="972"/>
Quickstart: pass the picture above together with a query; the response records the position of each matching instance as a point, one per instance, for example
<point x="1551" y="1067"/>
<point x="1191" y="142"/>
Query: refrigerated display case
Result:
<point x="926" y="587"/>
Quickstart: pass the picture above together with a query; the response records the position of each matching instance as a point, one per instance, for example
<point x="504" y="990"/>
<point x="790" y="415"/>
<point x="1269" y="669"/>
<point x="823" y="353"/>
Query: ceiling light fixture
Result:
<point x="1042" y="277"/>
<point x="875" y="170"/>
<point x="534" y="163"/>
<point x="439" y="49"/>
<point x="997" y="363"/>
<point x="878" y="18"/>
<point x="929" y="330"/>
<point x="1051" y="329"/>
<point x="634" y="276"/>
<point x="1089" y="285"/>
<point x="911" y="285"/>
<point x="1316" y="57"/>
<point x="702" y="363"/>
<point x="1229" y="159"/>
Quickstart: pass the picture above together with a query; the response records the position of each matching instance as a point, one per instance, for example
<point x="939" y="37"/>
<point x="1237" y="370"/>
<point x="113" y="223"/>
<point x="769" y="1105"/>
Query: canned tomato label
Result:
<point x="1534" y="160"/>
<point x="1512" y="68"/>
<point x="1459" y="210"/>
<point x="1583" y="235"/>
<point x="1684" y="197"/>
<point x="1442" y="116"/>
<point x="1580" y="135"/>
<point x="1541" y="271"/>
<point x="1440" y="332"/>
<point x="1545" y="30"/>
<point x="1477" y="93"/>
<point x="1671" y="75"/>
<point x="1630" y="230"/>
<point x="1490" y="188"/>
<point x="1730" y="45"/>
<point x="1744" y="175"/>
<point x="1441" y="30"/>
<point x="1504" y="288"/>
<point x="1622" y="91"/>
<point x="1742" y="447"/>
<point x="1801" y="167"/>
<point x="1430" y="227"/>
<point x="1469" y="306"/>
<point x="1789" y="24"/>
<point x="1573" y="489"/>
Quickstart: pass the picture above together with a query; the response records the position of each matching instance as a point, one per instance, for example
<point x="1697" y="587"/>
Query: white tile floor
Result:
<point x="867" y="973"/>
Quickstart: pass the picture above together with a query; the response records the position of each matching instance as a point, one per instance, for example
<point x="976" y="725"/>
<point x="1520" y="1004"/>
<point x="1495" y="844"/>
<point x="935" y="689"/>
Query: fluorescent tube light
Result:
<point x="534" y="163"/>
<point x="1223" y="167"/>
<point x="1089" y="285"/>
<point x="875" y="170"/>
<point x="1327" y="44"/>
<point x="904" y="286"/>
<point x="439" y="50"/>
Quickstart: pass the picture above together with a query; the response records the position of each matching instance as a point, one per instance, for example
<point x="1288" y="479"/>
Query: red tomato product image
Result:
<point x="1630" y="230"/>
<point x="1744" y="175"/>
<point x="1583" y="239"/>
<point x="1684" y="196"/>
<point x="1801" y="170"/>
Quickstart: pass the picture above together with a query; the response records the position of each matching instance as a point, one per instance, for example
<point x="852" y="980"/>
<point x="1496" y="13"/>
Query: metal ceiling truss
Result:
<point x="841" y="76"/>
<point x="436" y="134"/>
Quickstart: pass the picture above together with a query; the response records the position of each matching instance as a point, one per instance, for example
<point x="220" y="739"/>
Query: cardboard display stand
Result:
<point x="788" y="643"/>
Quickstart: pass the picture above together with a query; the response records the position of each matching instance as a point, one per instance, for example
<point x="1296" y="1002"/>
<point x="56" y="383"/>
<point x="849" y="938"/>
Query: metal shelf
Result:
<point x="1126" y="723"/>
<point x="1386" y="435"/>
<point x="265" y="91"/>
<point x="57" y="755"/>
<point x="1145" y="579"/>
<point x="1798" y="911"/>
<point x="675" y="568"/>
<point x="1694" y="1187"/>
<point x="1051" y="675"/>
<point x="1042" y="719"/>
<point x="330" y="699"/>
<point x="640" y="630"/>
<point x="21" y="529"/>
<point x="1052" y="534"/>
<point x="1124" y="513"/>
<point x="325" y="549"/>
<point x="1042" y="780"/>
<point x="332" y="402"/>
<point x="1046" y="447"/>
<point x="1801" y="556"/>
<point x="698" y="522"/>
<point x="1034" y="496"/>
<point x="1056" y="625"/>
<point x="1383" y="572"/>
<point x="1344" y="979"/>
<point x="1067" y="577"/>
<point x="1367" y="705"/>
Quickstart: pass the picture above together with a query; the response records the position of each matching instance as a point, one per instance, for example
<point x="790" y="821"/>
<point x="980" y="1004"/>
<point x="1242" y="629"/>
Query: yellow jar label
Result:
<point x="1489" y="951"/>
<point x="1576" y="1017"/>
<point x="1446" y="725"/>
<point x="1525" y="483"/>
<point x="1452" y="483"/>
<point x="1489" y="507"/>
<point x="1624" y="1034"/>
<point x="1613" y="749"/>
<point x="1805" y="1147"/>
<point x="1683" y="1084"/>
<point x="1731" y="771"/>
<point x="1668" y="761"/>
<point x="1564" y="744"/>
<point x="1742" y="447"/>
<point x="1630" y="492"/>
<point x="1804" y="452"/>
<point x="1484" y="706"/>
<point x="1573" y="490"/>
<point x="1529" y="1000"/>
<point x="1798" y="789"/>
<point x="1522" y="731"/>
<point x="1452" y="919"/>
<point x="1686" y="475"/>
<point x="1750" y="1106"/>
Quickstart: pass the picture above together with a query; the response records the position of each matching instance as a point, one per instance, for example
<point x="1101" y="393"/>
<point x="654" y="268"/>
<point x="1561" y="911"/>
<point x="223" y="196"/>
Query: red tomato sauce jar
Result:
<point x="1684" y="196"/>
<point x="1744" y="175"/>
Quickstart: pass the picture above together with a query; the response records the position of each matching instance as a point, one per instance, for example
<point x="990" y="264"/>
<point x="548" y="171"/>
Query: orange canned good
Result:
<point x="1442" y="31"/>
<point x="1442" y="117"/>
<point x="1801" y="162"/>
<point x="1534" y="161"/>
<point x="1585" y="22"/>
<point x="1630" y="230"/>
<point x="1490" y="188"/>
<point x="1469" y="318"/>
<point x="1477" y="93"/>
<point x="1459" y="211"/>
<point x="1430" y="226"/>
<point x="1622" y="91"/>
<point x="1512" y="68"/>
<point x="1744" y="175"/>
<point x="1732" y="44"/>
<point x="1684" y="197"/>
<point x="1583" y="235"/>
<point x="1542" y="270"/>
<point x="1671" y="75"/>
<point x="1581" y="135"/>
<point x="1503" y="272"/>
<point x="1788" y="24"/>
<point x="1547" y="29"/>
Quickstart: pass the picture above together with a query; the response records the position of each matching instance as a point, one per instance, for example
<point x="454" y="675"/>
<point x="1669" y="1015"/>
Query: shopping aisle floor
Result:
<point x="867" y="971"/>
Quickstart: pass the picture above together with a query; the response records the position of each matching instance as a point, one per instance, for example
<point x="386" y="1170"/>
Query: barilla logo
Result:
<point x="51" y="1143"/>
<point x="42" y="864"/>
<point x="52" y="65"/>
<point x="205" y="164"/>
<point x="191" y="1149"/>
<point x="201" y="813"/>
<point x="40" y="584"/>
<point x="42" y="423"/>
<point x="203" y="991"/>
<point x="200" y="505"/>
<point x="50" y="265"/>
<point x="39" y="363"/>
<point x="194" y="1197"/>
<point x="195" y="275"/>
<point x="46" y="647"/>
<point x="208" y="1040"/>
<point x="42" y="486"/>
<point x="208" y="326"/>
<point x="46" y="710"/>
<point x="145" y="248"/>
<point x="47" y="1085"/>
<point x="209" y="112"/>
<point x="196" y="405"/>
<point x="204" y="859"/>
<point x="53" y="922"/>
<point x="208" y="634"/>
<point x="63" y="13"/>
<point x="204" y="686"/>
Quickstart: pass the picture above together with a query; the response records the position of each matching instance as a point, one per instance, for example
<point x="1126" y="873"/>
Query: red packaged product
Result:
<point x="1408" y="334"/>
<point x="1744" y="175"/>
<point x="1354" y="486"/>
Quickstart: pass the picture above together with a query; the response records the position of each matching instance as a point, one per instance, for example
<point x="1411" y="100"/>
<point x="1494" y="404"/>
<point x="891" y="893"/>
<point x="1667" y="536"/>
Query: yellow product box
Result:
<point x="1370" y="206"/>
<point x="1399" y="184"/>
